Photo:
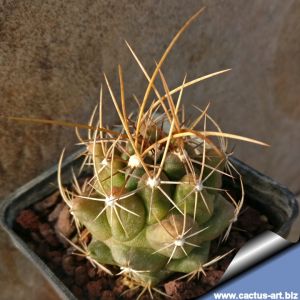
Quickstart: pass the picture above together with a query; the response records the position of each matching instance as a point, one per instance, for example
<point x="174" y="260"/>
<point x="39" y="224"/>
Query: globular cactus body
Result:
<point x="156" y="221"/>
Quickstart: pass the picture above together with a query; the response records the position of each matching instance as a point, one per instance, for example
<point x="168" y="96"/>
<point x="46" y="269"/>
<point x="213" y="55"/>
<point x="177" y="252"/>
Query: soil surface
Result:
<point x="42" y="225"/>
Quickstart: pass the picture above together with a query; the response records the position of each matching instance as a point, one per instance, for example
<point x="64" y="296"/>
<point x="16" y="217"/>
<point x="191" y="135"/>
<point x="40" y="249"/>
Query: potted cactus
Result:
<point x="155" y="199"/>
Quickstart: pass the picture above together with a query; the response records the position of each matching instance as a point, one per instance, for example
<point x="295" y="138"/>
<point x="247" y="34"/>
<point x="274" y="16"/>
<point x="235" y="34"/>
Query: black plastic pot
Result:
<point x="262" y="193"/>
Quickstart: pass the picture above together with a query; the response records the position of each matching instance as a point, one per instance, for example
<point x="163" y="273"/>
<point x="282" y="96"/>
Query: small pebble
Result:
<point x="94" y="289"/>
<point x="50" y="201"/>
<point x="64" y="225"/>
<point x="212" y="277"/>
<point x="174" y="287"/>
<point x="55" y="257"/>
<point x="68" y="264"/>
<point x="28" y="219"/>
<point x="92" y="272"/>
<point x="108" y="295"/>
<point x="81" y="275"/>
<point x="77" y="291"/>
<point x="53" y="216"/>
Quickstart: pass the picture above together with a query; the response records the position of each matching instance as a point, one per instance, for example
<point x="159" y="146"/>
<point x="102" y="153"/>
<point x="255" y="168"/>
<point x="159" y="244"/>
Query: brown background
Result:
<point x="53" y="53"/>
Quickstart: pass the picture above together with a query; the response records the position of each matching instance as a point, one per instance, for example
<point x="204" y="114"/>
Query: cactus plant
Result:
<point x="155" y="200"/>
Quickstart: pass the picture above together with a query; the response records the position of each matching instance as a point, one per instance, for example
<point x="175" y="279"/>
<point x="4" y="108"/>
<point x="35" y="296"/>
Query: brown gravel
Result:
<point x="48" y="202"/>
<point x="64" y="225"/>
<point x="53" y="216"/>
<point x="108" y="295"/>
<point x="28" y="219"/>
<point x="68" y="264"/>
<point x="94" y="289"/>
